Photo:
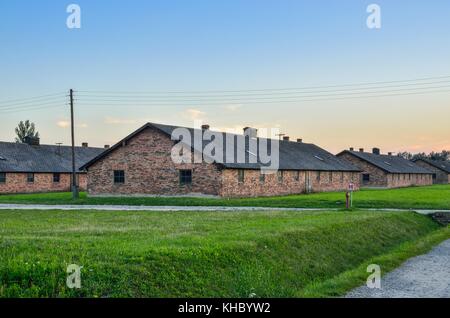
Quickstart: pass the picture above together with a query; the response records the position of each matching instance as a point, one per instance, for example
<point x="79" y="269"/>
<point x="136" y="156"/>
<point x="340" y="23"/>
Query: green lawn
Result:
<point x="433" y="197"/>
<point x="203" y="254"/>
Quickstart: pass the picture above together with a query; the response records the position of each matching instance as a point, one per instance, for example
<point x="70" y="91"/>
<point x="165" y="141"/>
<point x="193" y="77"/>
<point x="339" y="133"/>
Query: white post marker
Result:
<point x="351" y="187"/>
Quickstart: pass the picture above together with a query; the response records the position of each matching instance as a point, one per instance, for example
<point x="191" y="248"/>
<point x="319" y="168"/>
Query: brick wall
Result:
<point x="408" y="180"/>
<point x="441" y="176"/>
<point x="149" y="170"/>
<point x="272" y="186"/>
<point x="43" y="182"/>
<point x="379" y="178"/>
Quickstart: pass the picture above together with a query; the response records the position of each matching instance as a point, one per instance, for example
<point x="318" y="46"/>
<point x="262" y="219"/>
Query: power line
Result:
<point x="36" y="107"/>
<point x="426" y="85"/>
<point x="273" y="89"/>
<point x="61" y="103"/>
<point x="264" y="102"/>
<point x="273" y="99"/>
<point x="113" y="95"/>
<point x="31" y="102"/>
<point x="30" y="98"/>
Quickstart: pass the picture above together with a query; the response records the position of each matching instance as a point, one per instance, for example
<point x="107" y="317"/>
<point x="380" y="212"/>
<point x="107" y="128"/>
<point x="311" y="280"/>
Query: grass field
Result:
<point x="433" y="197"/>
<point x="203" y="254"/>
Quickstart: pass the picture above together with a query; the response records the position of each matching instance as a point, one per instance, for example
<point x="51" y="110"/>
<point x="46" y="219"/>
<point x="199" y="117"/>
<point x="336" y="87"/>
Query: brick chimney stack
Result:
<point x="32" y="141"/>
<point x="251" y="132"/>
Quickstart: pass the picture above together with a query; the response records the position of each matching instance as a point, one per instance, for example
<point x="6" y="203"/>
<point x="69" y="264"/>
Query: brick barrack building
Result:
<point x="440" y="169"/>
<point x="386" y="171"/>
<point x="31" y="167"/>
<point x="141" y="164"/>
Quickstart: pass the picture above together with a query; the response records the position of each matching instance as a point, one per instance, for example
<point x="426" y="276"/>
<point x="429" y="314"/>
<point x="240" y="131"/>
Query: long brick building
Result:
<point x="141" y="164"/>
<point x="31" y="167"/>
<point x="440" y="169"/>
<point x="386" y="171"/>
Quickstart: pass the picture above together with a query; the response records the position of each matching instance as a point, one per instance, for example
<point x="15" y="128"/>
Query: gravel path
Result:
<point x="425" y="276"/>
<point x="148" y="208"/>
<point x="180" y="208"/>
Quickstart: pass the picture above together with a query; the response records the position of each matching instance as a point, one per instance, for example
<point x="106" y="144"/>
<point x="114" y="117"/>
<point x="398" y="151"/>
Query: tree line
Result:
<point x="443" y="155"/>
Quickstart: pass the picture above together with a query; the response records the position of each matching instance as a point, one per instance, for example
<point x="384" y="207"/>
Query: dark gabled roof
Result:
<point x="440" y="164"/>
<point x="390" y="164"/>
<point x="293" y="155"/>
<point x="18" y="157"/>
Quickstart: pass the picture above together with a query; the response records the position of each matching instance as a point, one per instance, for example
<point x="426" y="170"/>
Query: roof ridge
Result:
<point x="45" y="145"/>
<point x="229" y="133"/>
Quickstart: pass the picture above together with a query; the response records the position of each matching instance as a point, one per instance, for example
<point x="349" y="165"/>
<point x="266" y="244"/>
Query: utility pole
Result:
<point x="75" y="194"/>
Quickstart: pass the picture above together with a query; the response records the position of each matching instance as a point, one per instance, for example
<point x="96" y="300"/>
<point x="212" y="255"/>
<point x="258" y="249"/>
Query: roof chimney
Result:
<point x="58" y="149"/>
<point x="376" y="151"/>
<point x="32" y="141"/>
<point x="299" y="140"/>
<point x="251" y="132"/>
<point x="352" y="149"/>
<point x="107" y="146"/>
<point x="286" y="138"/>
<point x="205" y="127"/>
<point x="361" y="149"/>
<point x="84" y="145"/>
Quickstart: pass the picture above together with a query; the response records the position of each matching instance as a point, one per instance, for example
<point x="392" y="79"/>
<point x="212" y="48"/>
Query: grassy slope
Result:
<point x="278" y="254"/>
<point x="433" y="197"/>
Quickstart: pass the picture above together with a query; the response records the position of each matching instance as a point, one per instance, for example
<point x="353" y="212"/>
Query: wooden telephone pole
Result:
<point x="75" y="193"/>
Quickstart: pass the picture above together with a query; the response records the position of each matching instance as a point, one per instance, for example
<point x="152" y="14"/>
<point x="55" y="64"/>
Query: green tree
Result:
<point x="25" y="129"/>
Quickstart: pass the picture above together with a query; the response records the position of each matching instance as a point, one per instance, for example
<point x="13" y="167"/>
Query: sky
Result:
<point x="234" y="48"/>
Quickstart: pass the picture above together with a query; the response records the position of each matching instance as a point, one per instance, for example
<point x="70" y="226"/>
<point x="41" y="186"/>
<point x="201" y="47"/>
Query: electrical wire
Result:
<point x="269" y="99"/>
<point x="274" y="89"/>
<point x="206" y="103"/>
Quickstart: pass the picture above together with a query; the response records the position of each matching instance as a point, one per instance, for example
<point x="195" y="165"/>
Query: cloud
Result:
<point x="438" y="145"/>
<point x="120" y="121"/>
<point x="66" y="124"/>
<point x="63" y="124"/>
<point x="233" y="107"/>
<point x="194" y="114"/>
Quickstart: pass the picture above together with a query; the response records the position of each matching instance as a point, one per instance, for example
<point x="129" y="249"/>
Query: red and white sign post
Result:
<point x="351" y="188"/>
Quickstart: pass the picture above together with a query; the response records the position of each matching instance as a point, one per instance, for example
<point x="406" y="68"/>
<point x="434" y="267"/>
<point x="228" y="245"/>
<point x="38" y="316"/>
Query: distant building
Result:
<point x="386" y="171"/>
<point x="31" y="167"/>
<point x="141" y="164"/>
<point x="440" y="169"/>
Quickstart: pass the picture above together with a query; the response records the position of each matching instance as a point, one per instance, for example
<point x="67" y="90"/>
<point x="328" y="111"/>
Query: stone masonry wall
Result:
<point x="43" y="182"/>
<point x="149" y="170"/>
